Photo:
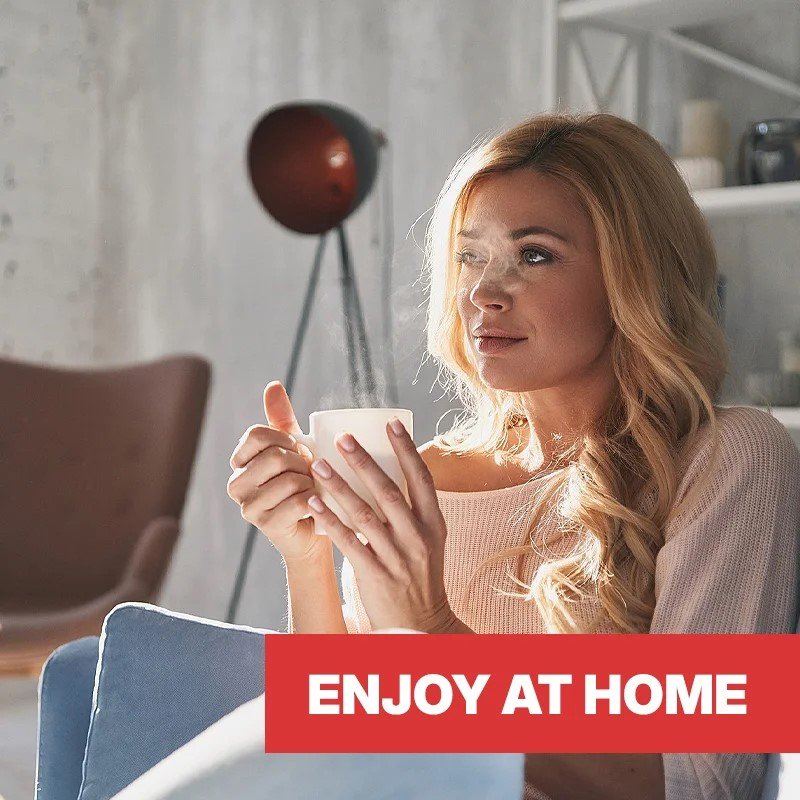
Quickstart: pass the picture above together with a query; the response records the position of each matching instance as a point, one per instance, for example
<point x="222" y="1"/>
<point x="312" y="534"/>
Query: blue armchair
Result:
<point x="167" y="705"/>
<point x="149" y="703"/>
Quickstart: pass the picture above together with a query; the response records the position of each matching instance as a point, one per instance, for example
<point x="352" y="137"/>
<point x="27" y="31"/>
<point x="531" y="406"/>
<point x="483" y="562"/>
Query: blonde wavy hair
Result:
<point x="616" y="486"/>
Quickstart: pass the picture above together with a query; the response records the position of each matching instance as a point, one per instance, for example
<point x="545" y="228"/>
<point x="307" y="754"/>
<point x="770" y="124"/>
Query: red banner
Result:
<point x="560" y="693"/>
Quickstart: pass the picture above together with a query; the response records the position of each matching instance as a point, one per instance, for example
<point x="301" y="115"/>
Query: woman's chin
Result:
<point x="503" y="378"/>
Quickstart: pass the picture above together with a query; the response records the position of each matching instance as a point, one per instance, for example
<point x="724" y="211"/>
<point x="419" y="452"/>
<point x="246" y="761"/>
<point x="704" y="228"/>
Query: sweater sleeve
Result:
<point x="730" y="565"/>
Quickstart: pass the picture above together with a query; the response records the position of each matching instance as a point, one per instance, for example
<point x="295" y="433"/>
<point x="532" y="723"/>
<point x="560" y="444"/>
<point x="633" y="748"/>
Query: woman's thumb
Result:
<point x="278" y="408"/>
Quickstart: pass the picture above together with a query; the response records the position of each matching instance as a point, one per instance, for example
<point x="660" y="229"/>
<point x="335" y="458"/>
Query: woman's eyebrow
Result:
<point x="519" y="233"/>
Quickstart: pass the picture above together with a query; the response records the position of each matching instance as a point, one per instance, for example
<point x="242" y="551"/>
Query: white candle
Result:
<point x="704" y="130"/>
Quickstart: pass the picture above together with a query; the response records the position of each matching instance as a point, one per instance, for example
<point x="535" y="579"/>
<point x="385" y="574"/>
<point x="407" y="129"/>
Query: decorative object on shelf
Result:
<point x="790" y="349"/>
<point x="704" y="142"/>
<point x="771" y="387"/>
<point x="769" y="151"/>
<point x="701" y="173"/>
<point x="705" y="132"/>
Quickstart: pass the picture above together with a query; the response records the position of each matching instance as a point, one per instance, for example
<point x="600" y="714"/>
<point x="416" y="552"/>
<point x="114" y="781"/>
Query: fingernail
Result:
<point x="316" y="503"/>
<point x="396" y="425"/>
<point x="347" y="442"/>
<point x="322" y="468"/>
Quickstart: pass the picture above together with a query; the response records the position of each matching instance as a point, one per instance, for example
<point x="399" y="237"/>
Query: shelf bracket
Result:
<point x="621" y="85"/>
<point x="579" y="67"/>
<point x="730" y="63"/>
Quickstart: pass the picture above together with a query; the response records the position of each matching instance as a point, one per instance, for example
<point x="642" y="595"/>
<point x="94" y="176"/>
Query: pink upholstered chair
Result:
<point x="94" y="471"/>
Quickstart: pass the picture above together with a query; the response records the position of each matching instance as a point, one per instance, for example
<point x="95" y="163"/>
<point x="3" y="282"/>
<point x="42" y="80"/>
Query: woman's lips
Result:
<point x="489" y="345"/>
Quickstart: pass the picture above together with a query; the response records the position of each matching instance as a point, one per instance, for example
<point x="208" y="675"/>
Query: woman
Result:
<point x="573" y="310"/>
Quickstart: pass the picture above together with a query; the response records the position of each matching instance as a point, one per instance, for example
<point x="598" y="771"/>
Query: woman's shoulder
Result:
<point x="757" y="422"/>
<point x="746" y="434"/>
<point x="757" y="457"/>
<point x="448" y="470"/>
<point x="431" y="454"/>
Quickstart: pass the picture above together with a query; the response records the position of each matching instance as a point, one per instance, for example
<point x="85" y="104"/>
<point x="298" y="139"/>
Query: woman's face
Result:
<point x="543" y="286"/>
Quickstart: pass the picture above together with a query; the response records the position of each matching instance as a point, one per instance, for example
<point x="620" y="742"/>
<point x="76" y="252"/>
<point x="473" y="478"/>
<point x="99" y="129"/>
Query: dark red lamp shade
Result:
<point x="312" y="164"/>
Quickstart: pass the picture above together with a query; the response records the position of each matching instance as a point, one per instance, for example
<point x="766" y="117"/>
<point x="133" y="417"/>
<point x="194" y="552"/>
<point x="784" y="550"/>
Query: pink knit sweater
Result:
<point x="729" y="565"/>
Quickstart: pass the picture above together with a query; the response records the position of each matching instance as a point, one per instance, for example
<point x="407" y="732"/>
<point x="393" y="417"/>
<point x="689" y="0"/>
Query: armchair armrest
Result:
<point x="27" y="639"/>
<point x="227" y="760"/>
<point x="147" y="565"/>
<point x="65" y="707"/>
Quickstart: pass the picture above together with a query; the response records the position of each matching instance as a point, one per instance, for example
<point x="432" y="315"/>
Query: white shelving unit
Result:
<point x="641" y="21"/>
<point x="767" y="198"/>
<point x="657" y="15"/>
<point x="630" y="27"/>
<point x="650" y="15"/>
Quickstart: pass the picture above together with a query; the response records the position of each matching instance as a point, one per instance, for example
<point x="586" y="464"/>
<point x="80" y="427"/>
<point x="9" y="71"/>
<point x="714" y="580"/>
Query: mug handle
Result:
<point x="308" y="440"/>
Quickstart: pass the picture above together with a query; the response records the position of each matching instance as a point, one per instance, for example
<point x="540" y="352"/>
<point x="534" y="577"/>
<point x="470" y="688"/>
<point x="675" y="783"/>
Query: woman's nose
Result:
<point x="489" y="294"/>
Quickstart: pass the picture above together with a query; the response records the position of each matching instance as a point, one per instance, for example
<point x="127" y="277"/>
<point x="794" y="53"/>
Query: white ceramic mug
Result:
<point x="368" y="425"/>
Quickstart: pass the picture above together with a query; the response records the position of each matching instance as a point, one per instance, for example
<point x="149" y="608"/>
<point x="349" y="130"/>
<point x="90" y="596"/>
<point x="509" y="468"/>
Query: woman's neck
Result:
<point x="476" y="472"/>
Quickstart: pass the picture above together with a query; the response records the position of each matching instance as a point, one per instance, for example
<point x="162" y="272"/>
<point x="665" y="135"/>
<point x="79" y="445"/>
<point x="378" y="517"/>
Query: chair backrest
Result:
<point x="90" y="457"/>
<point x="112" y="707"/>
<point x="166" y="673"/>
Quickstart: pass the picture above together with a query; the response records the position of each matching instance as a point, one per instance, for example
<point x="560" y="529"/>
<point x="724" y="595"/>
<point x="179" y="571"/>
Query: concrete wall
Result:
<point x="49" y="171"/>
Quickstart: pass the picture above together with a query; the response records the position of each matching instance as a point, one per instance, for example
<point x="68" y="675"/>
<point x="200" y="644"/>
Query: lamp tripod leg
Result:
<point x="305" y="315"/>
<point x="299" y="338"/>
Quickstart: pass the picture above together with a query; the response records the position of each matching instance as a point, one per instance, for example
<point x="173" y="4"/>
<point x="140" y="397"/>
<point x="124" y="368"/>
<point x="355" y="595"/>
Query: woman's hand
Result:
<point x="400" y="573"/>
<point x="271" y="480"/>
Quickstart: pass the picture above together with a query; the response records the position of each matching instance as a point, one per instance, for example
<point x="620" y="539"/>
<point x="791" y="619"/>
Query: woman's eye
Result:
<point x="542" y="255"/>
<point x="465" y="257"/>
<point x="530" y="255"/>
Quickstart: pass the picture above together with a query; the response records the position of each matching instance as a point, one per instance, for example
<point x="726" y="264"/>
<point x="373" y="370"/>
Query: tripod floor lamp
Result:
<point x="311" y="166"/>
